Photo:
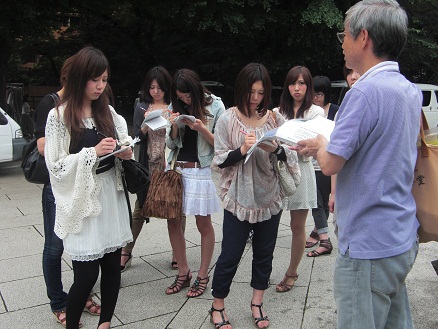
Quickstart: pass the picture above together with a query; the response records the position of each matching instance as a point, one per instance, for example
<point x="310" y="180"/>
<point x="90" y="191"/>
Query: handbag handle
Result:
<point x="173" y="161"/>
<point x="423" y="125"/>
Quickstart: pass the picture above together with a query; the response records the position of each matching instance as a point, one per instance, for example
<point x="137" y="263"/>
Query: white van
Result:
<point x="11" y="139"/>
<point x="430" y="103"/>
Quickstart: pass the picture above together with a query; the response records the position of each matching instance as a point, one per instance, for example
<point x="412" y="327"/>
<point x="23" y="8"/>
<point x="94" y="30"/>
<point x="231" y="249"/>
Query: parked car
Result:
<point x="430" y="99"/>
<point x="430" y="103"/>
<point x="11" y="138"/>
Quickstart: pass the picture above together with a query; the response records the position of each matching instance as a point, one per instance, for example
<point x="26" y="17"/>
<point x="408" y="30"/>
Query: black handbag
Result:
<point x="136" y="176"/>
<point x="33" y="164"/>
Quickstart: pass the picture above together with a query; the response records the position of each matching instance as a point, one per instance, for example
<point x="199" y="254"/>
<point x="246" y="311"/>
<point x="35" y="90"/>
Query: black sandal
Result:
<point x="181" y="281"/>
<point x="261" y="317"/>
<point x="224" y="322"/>
<point x="198" y="287"/>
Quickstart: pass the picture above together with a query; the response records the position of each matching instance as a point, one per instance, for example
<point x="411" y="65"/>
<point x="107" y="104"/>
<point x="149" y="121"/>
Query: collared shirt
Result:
<point x="376" y="132"/>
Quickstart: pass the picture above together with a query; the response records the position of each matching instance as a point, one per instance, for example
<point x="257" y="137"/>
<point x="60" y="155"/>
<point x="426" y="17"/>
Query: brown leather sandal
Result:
<point x="322" y="244"/>
<point x="198" y="287"/>
<point x="181" y="281"/>
<point x="283" y="286"/>
<point x="92" y="307"/>
<point x="314" y="235"/>
<point x="61" y="317"/>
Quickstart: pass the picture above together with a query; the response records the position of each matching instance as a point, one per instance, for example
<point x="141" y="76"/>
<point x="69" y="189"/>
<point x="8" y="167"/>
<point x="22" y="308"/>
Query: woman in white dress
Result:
<point x="91" y="210"/>
<point x="296" y="102"/>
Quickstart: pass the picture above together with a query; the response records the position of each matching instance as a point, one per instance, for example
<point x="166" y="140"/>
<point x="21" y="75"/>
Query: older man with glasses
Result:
<point x="373" y="150"/>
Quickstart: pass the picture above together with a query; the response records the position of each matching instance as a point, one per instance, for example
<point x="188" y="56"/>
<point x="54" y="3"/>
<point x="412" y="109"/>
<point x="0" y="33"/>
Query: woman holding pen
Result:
<point x="155" y="95"/>
<point x="193" y="143"/>
<point x="92" y="215"/>
<point x="250" y="191"/>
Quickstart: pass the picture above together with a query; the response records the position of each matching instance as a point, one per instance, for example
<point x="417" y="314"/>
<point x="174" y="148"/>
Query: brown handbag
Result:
<point x="165" y="195"/>
<point x="425" y="188"/>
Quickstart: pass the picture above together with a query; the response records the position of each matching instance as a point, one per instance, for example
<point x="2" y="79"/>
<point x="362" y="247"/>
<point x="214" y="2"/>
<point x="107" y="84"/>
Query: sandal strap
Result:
<point x="199" y="286"/>
<point x="57" y="315"/>
<point x="293" y="276"/>
<point x="261" y="317"/>
<point x="224" y="322"/>
<point x="180" y="281"/>
<point x="327" y="244"/>
<point x="314" y="235"/>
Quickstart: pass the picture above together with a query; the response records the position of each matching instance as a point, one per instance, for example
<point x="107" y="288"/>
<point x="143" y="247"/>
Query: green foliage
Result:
<point x="214" y="37"/>
<point x="323" y="12"/>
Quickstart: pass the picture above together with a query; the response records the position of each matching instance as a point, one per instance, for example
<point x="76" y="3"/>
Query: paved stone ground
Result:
<point x="142" y="302"/>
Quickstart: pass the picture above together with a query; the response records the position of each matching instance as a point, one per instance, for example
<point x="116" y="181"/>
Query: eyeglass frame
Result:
<point x="318" y="94"/>
<point x="341" y="36"/>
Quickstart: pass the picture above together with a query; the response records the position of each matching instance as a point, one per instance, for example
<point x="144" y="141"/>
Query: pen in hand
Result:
<point x="99" y="133"/>
<point x="241" y="131"/>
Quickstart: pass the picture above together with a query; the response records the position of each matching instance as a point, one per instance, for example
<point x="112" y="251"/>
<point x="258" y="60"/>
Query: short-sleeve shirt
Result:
<point x="376" y="133"/>
<point x="45" y="105"/>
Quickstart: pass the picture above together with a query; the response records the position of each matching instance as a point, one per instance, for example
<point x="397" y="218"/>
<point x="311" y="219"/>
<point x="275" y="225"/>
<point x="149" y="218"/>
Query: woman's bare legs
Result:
<point x="205" y="227"/>
<point x="178" y="242"/>
<point x="298" y="228"/>
<point x="174" y="262"/>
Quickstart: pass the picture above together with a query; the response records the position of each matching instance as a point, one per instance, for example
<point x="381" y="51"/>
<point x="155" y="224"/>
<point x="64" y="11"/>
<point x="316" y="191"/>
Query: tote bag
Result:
<point x="34" y="165"/>
<point x="425" y="188"/>
<point x="165" y="195"/>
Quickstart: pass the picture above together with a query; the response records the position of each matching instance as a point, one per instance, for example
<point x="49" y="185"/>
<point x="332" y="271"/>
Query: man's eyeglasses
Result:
<point x="340" y="36"/>
<point x="319" y="94"/>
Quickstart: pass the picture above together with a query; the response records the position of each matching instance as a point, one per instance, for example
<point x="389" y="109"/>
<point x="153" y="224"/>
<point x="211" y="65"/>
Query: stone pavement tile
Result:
<point x="18" y="220"/>
<point x="29" y="292"/>
<point x="31" y="208"/>
<point x="157" y="322"/>
<point x="24" y="267"/>
<point x="141" y="271"/>
<point x="21" y="241"/>
<point x="319" y="318"/>
<point x="10" y="210"/>
<point x="37" y="317"/>
<point x="193" y="313"/>
<point x="147" y="300"/>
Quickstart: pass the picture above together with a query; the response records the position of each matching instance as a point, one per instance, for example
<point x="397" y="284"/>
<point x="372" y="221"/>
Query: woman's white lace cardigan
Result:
<point x="73" y="177"/>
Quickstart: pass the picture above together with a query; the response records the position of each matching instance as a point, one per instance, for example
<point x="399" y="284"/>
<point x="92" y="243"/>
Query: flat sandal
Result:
<point x="261" y="317"/>
<point x="224" y="322"/>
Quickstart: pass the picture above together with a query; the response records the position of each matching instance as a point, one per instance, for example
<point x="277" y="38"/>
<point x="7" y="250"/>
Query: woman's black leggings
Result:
<point x="85" y="276"/>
